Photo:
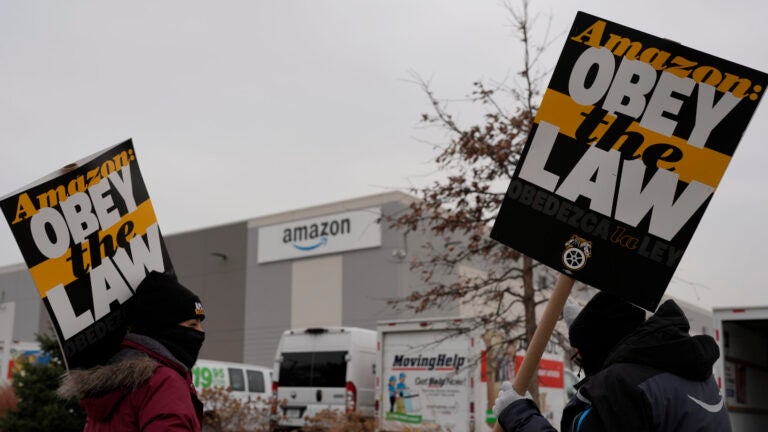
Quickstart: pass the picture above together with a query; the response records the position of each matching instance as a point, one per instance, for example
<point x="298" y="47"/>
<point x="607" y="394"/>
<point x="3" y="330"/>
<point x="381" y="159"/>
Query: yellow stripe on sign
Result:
<point x="702" y="164"/>
<point x="55" y="271"/>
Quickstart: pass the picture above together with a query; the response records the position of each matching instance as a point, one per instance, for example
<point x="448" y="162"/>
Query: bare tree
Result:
<point x="225" y="412"/>
<point x="477" y="163"/>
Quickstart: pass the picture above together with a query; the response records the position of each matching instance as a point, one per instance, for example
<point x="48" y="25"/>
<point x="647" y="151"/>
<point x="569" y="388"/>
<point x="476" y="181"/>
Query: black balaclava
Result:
<point x="160" y="304"/>
<point x="603" y="322"/>
<point x="183" y="342"/>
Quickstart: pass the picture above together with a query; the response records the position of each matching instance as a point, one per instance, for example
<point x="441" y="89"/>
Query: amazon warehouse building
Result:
<point x="328" y="265"/>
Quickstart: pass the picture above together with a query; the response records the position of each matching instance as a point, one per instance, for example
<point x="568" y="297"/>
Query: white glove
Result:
<point x="507" y="395"/>
<point x="571" y="310"/>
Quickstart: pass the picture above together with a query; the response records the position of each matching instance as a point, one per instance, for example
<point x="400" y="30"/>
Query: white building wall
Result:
<point x="316" y="292"/>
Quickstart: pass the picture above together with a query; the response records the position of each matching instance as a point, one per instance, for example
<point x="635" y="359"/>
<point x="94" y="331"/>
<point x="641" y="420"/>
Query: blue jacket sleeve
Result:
<point x="523" y="416"/>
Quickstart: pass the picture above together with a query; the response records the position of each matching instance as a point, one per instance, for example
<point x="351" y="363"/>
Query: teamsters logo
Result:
<point x="313" y="236"/>
<point x="577" y="252"/>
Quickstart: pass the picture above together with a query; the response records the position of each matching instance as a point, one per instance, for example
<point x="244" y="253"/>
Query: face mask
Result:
<point x="183" y="342"/>
<point x="592" y="360"/>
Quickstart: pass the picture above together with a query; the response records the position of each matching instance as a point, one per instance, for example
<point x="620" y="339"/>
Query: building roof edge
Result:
<point x="333" y="207"/>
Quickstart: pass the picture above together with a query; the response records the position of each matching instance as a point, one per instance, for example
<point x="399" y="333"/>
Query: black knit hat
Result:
<point x="161" y="301"/>
<point x="603" y="322"/>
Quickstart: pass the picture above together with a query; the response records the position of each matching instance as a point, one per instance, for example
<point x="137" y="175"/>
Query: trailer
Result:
<point x="436" y="374"/>
<point x="742" y="369"/>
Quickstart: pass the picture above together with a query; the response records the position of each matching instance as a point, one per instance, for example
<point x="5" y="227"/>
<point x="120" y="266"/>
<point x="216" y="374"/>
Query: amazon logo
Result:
<point x="314" y="236"/>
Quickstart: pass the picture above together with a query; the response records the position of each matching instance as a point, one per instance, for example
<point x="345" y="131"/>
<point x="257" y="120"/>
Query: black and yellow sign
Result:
<point x="631" y="140"/>
<point x="89" y="235"/>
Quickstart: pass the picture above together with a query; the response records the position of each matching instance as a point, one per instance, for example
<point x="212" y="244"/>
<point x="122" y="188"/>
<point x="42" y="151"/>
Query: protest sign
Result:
<point x="632" y="137"/>
<point x="89" y="235"/>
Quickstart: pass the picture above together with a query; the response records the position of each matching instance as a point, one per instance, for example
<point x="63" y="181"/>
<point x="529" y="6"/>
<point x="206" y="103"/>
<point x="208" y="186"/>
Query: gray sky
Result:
<point x="240" y="109"/>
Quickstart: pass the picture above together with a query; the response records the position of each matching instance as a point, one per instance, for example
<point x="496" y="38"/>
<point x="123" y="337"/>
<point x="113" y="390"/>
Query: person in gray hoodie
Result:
<point x="641" y="375"/>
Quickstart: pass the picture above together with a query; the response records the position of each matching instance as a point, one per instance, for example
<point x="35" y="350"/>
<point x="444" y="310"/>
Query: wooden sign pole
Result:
<point x="541" y="337"/>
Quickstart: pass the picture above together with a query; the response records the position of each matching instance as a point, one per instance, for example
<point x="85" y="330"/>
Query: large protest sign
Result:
<point x="89" y="235"/>
<point x="631" y="140"/>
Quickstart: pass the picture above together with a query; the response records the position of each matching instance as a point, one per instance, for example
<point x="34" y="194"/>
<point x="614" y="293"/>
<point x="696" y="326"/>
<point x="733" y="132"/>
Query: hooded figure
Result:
<point x="147" y="385"/>
<point x="641" y="375"/>
<point x="590" y="335"/>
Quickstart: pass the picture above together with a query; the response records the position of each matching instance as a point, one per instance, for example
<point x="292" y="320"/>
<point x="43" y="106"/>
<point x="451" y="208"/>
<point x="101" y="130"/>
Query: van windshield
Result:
<point x="314" y="369"/>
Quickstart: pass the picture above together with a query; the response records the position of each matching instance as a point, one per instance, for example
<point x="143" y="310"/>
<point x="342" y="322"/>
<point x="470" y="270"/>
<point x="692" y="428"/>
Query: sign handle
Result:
<point x="541" y="336"/>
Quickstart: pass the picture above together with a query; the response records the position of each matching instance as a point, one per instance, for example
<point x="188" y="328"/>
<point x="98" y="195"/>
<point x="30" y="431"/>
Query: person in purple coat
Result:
<point x="147" y="385"/>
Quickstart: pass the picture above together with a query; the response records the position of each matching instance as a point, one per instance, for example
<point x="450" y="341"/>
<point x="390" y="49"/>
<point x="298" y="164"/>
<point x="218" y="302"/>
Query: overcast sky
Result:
<point x="241" y="109"/>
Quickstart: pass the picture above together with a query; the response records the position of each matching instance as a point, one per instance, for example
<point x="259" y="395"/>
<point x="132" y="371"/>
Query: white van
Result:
<point x="323" y="368"/>
<point x="247" y="382"/>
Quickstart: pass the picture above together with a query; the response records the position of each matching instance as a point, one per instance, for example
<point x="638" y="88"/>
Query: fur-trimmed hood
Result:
<point x="142" y="384"/>
<point x="126" y="375"/>
<point x="127" y="370"/>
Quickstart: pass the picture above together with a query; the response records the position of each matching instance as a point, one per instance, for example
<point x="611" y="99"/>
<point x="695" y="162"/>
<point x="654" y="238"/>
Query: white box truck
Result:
<point x="435" y="374"/>
<point x="323" y="368"/>
<point x="742" y="369"/>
